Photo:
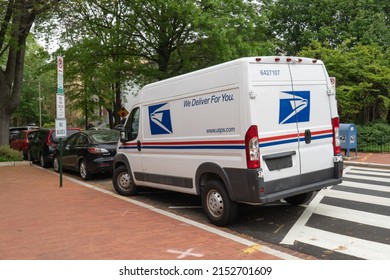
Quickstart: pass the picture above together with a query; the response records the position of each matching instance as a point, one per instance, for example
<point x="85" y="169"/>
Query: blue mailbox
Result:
<point x="348" y="138"/>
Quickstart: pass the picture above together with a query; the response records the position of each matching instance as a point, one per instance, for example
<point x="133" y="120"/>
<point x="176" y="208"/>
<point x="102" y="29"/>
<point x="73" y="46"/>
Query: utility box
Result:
<point x="348" y="138"/>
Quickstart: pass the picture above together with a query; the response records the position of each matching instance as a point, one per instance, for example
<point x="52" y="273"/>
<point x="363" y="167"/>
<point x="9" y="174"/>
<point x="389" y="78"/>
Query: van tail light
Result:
<point x="252" y="148"/>
<point x="336" y="136"/>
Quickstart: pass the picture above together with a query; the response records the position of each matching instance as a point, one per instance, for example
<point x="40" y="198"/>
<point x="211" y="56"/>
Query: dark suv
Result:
<point x="44" y="144"/>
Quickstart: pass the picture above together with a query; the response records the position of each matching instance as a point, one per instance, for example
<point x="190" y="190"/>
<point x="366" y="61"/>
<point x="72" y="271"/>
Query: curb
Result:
<point x="15" y="163"/>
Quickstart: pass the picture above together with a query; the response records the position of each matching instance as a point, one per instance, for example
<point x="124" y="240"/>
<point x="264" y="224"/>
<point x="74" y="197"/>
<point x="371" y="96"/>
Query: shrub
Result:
<point x="8" y="154"/>
<point x="374" y="137"/>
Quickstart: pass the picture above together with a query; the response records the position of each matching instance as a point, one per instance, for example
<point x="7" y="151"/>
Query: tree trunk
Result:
<point x="17" y="25"/>
<point x="4" y="126"/>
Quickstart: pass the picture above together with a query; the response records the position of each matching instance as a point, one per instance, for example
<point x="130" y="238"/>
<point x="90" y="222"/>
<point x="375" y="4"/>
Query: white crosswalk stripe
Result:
<point x="374" y="196"/>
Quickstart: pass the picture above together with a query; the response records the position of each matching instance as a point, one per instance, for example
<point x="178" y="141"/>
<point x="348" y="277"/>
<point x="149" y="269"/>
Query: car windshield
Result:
<point x="104" y="136"/>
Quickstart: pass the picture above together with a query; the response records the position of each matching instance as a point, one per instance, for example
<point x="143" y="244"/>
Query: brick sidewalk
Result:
<point x="39" y="220"/>
<point x="374" y="160"/>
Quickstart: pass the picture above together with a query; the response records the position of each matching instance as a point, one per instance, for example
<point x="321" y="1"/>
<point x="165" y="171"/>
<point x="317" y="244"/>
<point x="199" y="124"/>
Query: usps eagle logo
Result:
<point x="294" y="106"/>
<point x="160" y="119"/>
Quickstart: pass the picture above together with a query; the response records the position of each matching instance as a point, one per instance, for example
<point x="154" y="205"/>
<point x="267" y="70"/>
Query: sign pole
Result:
<point x="60" y="163"/>
<point x="60" y="120"/>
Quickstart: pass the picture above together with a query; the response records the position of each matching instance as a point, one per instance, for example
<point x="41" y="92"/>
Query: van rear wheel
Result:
<point x="299" y="198"/>
<point x="220" y="210"/>
<point x="123" y="182"/>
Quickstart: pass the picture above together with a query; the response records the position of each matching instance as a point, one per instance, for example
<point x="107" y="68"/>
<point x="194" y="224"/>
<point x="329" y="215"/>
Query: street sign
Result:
<point x="60" y="106"/>
<point x="123" y="112"/>
<point x="60" y="65"/>
<point x="60" y="84"/>
<point x="60" y="128"/>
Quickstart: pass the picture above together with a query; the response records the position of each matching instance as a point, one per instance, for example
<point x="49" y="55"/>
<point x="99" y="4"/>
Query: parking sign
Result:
<point x="60" y="128"/>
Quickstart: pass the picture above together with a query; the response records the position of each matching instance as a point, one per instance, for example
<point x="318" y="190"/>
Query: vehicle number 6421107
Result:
<point x="242" y="270"/>
<point x="268" y="72"/>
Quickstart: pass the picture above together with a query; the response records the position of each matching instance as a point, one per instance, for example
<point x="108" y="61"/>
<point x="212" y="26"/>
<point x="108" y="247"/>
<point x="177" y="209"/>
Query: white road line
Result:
<point x="365" y="186"/>
<point x="359" y="197"/>
<point x="368" y="170"/>
<point x="354" y="216"/>
<point x="345" y="244"/>
<point x="299" y="225"/>
<point x="375" y="179"/>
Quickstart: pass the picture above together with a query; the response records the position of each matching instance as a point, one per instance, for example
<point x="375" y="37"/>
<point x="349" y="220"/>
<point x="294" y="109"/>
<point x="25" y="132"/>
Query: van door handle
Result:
<point x="139" y="145"/>
<point x="307" y="136"/>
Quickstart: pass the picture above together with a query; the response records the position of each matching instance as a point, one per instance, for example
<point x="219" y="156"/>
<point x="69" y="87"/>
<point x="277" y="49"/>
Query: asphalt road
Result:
<point x="349" y="221"/>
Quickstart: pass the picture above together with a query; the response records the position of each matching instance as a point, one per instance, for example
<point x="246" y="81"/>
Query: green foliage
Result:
<point x="39" y="81"/>
<point x="8" y="154"/>
<point x="296" y="23"/>
<point x="363" y="79"/>
<point x="374" y="137"/>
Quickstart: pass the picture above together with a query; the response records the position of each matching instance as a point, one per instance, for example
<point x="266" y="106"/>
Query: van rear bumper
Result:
<point x="248" y="187"/>
<point x="298" y="190"/>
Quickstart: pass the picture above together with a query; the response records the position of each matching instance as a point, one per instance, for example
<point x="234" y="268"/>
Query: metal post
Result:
<point x="40" y="103"/>
<point x="60" y="163"/>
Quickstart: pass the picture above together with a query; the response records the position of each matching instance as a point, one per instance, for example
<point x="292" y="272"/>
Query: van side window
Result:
<point x="133" y="124"/>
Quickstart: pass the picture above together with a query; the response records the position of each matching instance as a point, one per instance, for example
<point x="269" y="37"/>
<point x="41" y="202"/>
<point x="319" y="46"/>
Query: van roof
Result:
<point x="143" y="95"/>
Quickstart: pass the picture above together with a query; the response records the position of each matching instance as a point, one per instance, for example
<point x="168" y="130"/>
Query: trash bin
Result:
<point x="348" y="138"/>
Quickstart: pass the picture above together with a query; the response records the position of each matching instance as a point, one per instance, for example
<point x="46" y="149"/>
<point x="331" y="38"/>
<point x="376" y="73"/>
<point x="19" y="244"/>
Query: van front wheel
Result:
<point x="220" y="210"/>
<point x="123" y="182"/>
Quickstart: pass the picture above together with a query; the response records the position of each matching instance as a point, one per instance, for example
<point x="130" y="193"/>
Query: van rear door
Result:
<point x="289" y="103"/>
<point x="271" y="105"/>
<point x="314" y="120"/>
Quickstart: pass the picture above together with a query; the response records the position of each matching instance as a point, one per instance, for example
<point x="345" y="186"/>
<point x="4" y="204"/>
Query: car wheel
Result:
<point x="84" y="171"/>
<point x="299" y="199"/>
<point x="123" y="182"/>
<point x="56" y="164"/>
<point x="219" y="209"/>
<point x="42" y="161"/>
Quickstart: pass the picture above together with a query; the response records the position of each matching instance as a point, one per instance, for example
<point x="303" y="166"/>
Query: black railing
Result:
<point x="380" y="144"/>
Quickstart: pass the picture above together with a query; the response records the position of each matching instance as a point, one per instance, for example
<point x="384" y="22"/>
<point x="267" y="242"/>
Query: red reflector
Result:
<point x="288" y="59"/>
<point x="314" y="60"/>
<point x="258" y="59"/>
<point x="262" y="189"/>
<point x="277" y="59"/>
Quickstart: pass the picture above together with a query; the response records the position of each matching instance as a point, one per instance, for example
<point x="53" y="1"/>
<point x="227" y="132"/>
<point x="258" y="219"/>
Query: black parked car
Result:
<point x="89" y="152"/>
<point x="44" y="144"/>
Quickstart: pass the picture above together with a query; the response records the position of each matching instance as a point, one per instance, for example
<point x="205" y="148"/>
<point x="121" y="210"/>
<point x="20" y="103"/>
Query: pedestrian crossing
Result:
<point x="352" y="218"/>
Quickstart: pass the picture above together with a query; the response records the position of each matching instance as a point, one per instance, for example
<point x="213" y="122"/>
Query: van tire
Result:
<point x="123" y="182"/>
<point x="299" y="198"/>
<point x="219" y="209"/>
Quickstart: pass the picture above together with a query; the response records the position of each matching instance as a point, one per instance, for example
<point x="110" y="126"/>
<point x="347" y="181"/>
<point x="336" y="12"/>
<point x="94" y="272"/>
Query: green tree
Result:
<point x="113" y="42"/>
<point x="37" y="100"/>
<point x="16" y="19"/>
<point x="363" y="79"/>
<point x="296" y="23"/>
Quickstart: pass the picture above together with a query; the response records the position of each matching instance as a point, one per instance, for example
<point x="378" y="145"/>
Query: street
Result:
<point x="348" y="221"/>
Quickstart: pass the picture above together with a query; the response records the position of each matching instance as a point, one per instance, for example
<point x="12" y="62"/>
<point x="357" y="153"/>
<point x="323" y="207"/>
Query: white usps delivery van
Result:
<point x="253" y="130"/>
